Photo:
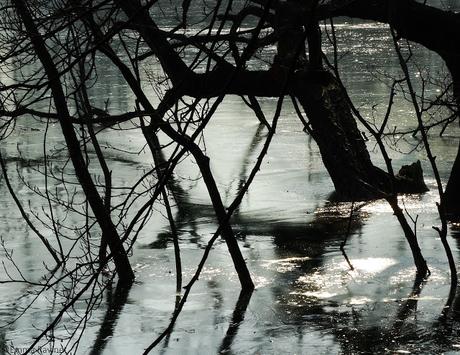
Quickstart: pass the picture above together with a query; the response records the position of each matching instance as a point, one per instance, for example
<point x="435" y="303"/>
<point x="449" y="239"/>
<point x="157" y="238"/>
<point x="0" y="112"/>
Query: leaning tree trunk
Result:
<point x="341" y="145"/>
<point x="334" y="129"/>
<point x="346" y="158"/>
<point x="109" y="231"/>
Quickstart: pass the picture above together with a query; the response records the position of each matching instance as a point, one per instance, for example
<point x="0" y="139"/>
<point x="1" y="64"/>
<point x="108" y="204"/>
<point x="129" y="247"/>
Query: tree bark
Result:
<point x="342" y="147"/>
<point x="202" y="161"/>
<point x="451" y="197"/>
<point x="435" y="29"/>
<point x="452" y="194"/>
<point x="410" y="18"/>
<point x="343" y="150"/>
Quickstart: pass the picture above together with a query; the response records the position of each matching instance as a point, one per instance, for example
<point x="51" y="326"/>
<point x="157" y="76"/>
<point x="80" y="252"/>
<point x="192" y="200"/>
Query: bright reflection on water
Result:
<point x="307" y="300"/>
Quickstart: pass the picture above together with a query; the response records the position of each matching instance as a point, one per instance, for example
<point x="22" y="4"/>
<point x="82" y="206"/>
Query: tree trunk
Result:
<point x="342" y="147"/>
<point x="120" y="258"/>
<point x="409" y="18"/>
<point x="452" y="195"/>
<point x="451" y="198"/>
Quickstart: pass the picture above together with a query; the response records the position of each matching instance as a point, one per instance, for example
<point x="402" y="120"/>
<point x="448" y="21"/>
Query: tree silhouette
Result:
<point x="197" y="54"/>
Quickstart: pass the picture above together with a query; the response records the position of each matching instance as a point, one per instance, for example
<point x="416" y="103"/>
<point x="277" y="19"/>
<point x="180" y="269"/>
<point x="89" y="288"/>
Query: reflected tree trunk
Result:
<point x="114" y="307"/>
<point x="237" y="318"/>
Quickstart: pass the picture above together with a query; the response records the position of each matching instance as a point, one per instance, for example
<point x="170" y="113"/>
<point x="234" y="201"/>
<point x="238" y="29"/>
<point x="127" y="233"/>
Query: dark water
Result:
<point x="307" y="300"/>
